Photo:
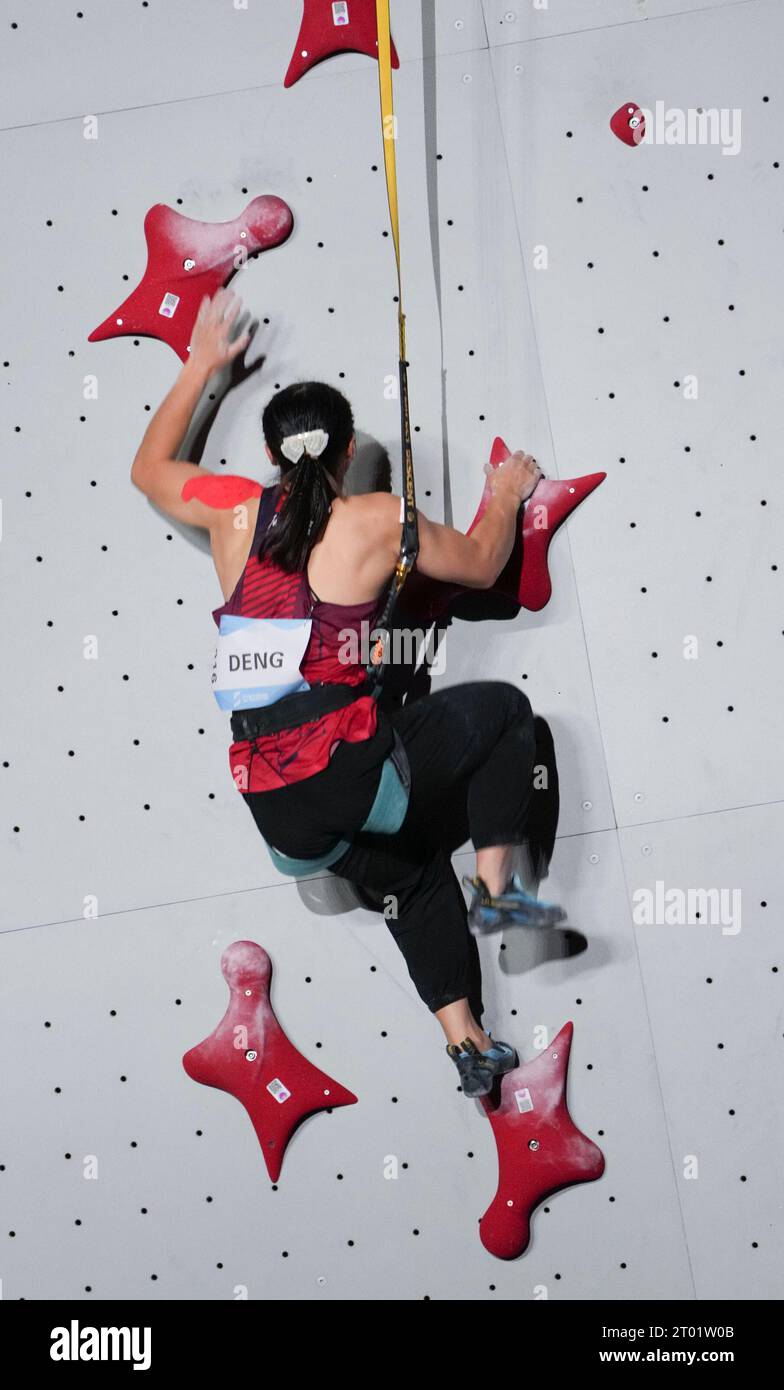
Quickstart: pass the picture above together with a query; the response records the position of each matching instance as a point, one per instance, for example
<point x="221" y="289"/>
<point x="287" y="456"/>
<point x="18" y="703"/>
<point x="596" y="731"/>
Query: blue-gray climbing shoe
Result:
<point x="513" y="907"/>
<point x="478" y="1070"/>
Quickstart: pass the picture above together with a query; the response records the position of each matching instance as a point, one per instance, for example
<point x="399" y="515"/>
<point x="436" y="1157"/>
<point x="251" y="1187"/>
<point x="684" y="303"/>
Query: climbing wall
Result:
<point x="605" y="306"/>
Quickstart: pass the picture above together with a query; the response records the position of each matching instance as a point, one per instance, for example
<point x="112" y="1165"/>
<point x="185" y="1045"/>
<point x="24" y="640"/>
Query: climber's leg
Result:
<point x="545" y="803"/>
<point x="459" y="1023"/>
<point x="407" y="875"/>
<point x="478" y="743"/>
<point x="493" y="866"/>
<point x="425" y="912"/>
<point x="480" y="737"/>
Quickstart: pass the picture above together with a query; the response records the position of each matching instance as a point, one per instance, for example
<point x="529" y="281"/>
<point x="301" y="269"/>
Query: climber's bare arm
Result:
<point x="163" y="480"/>
<point x="476" y="560"/>
<point x="156" y="470"/>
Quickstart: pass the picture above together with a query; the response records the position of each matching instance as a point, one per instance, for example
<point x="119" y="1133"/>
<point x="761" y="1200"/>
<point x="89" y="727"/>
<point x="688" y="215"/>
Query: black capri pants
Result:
<point x="473" y="750"/>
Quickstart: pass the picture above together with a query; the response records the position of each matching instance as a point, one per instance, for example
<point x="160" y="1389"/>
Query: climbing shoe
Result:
<point x="512" y="907"/>
<point x="478" y="1070"/>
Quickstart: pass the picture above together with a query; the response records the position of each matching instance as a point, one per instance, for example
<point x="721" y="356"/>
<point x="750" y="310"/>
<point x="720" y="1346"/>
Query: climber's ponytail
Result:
<point x="296" y="419"/>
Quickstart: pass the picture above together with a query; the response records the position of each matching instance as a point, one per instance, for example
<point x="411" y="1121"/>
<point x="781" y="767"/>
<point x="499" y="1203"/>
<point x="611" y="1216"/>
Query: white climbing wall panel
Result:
<point x="658" y="661"/>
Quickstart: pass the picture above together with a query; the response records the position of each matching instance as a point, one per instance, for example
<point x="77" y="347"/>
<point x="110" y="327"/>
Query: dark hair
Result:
<point x="306" y="405"/>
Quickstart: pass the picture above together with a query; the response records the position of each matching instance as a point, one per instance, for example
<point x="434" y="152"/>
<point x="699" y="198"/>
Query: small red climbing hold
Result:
<point x="628" y="123"/>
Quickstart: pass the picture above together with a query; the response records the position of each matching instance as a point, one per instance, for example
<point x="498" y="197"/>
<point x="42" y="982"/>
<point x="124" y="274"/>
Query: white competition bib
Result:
<point x="257" y="660"/>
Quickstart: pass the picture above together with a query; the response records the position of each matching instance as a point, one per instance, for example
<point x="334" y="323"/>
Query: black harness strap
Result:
<point x="300" y="708"/>
<point x="409" y="541"/>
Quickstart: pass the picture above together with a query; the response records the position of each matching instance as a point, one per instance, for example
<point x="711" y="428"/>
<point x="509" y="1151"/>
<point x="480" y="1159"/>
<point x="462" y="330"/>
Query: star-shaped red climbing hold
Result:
<point x="526" y="577"/>
<point x="249" y="1055"/>
<point x="342" y="26"/>
<point x="187" y="260"/>
<point x="540" y="1149"/>
<point x="546" y="509"/>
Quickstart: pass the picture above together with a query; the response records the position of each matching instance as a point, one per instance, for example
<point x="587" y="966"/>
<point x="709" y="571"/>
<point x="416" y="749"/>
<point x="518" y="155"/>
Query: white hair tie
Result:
<point x="312" y="442"/>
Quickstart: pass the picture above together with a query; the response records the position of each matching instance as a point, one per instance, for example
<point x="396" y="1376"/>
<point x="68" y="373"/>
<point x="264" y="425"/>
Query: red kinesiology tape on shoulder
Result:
<point x="221" y="492"/>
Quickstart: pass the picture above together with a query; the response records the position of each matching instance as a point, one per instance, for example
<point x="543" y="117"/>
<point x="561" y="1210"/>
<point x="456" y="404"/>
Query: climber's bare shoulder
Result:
<point x="370" y="516"/>
<point x="358" y="549"/>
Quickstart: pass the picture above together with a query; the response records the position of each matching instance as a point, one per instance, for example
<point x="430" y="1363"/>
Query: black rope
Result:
<point x="409" y="541"/>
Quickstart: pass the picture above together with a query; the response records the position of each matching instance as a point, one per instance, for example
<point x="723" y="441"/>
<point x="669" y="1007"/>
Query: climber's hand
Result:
<point x="210" y="345"/>
<point x="516" y="477"/>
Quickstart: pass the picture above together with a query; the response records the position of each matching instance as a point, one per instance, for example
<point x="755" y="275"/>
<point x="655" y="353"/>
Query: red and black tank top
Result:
<point x="265" y="590"/>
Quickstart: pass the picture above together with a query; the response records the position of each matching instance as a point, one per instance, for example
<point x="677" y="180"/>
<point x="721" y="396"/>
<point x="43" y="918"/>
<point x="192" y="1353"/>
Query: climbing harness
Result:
<point x="390" y="804"/>
<point x="385" y="817"/>
<point x="293" y="710"/>
<point x="409" y="540"/>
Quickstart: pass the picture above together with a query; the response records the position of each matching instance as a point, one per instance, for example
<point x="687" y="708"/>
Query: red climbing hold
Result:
<point x="525" y="579"/>
<point x="187" y="260"/>
<point x="221" y="491"/>
<point x="249" y="1055"/>
<point x="628" y="123"/>
<point x="540" y="1149"/>
<point x="347" y="26"/>
<point x="553" y="500"/>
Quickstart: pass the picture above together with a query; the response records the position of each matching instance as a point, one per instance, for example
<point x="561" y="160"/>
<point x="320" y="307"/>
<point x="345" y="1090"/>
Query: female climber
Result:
<point x="312" y="769"/>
